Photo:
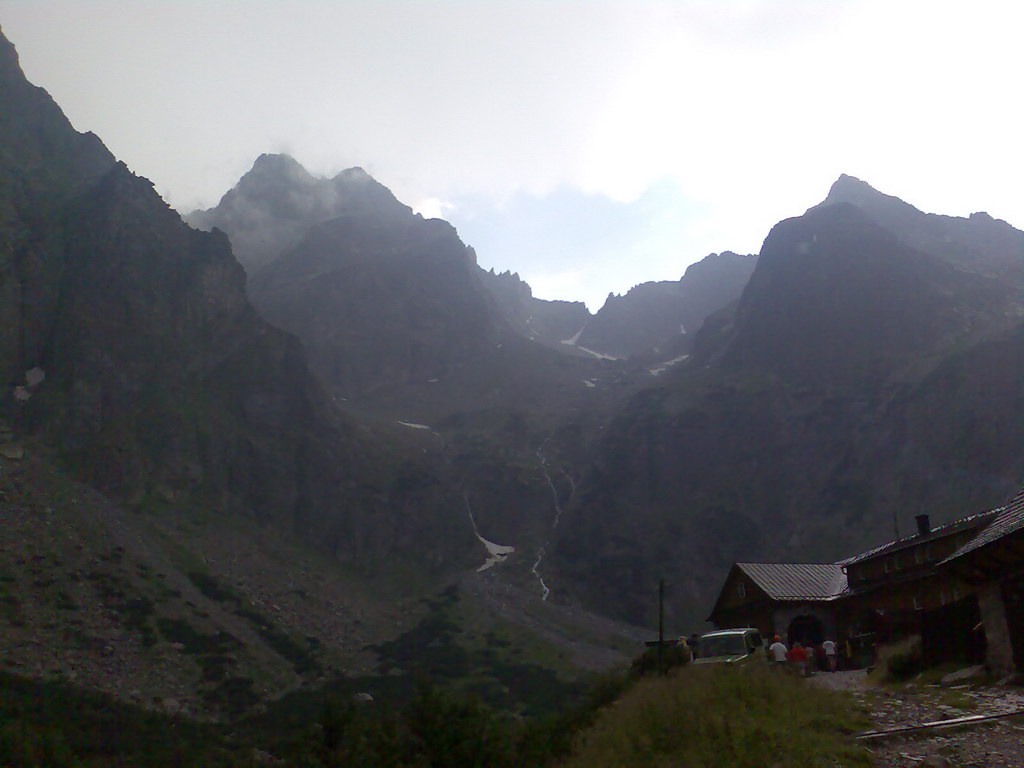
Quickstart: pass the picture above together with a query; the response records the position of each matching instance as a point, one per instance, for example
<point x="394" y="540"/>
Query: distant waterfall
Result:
<point x="543" y="462"/>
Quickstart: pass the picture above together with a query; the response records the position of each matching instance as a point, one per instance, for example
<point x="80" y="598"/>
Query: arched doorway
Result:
<point x="806" y="630"/>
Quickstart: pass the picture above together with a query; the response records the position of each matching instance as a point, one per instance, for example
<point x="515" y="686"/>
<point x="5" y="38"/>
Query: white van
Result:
<point x="730" y="646"/>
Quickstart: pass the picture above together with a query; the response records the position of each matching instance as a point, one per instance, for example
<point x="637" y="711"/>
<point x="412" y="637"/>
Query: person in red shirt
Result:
<point x="797" y="658"/>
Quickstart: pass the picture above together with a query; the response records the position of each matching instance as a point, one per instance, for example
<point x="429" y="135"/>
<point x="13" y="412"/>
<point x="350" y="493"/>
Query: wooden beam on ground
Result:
<point x="955" y="722"/>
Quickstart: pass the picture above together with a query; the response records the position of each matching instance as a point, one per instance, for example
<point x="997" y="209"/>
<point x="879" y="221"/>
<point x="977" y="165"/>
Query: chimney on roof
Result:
<point x="924" y="526"/>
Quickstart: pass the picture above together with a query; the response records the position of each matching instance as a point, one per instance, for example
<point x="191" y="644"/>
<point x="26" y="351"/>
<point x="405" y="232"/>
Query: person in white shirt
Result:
<point x="777" y="653"/>
<point x="830" y="655"/>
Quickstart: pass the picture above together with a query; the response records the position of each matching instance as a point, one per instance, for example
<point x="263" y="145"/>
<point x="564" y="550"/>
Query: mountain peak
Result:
<point x="276" y="168"/>
<point x="850" y="189"/>
<point x="355" y="173"/>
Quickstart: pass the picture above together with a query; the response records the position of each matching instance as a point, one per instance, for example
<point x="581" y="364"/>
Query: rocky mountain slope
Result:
<point x="377" y="294"/>
<point x="865" y="364"/>
<point x="650" y="319"/>
<point x="378" y="301"/>
<point x="188" y="518"/>
<point x="844" y="389"/>
<point x="277" y="201"/>
<point x="792" y="392"/>
<point x="548" y="322"/>
<point x="135" y="360"/>
<point x="303" y="239"/>
<point x="978" y="243"/>
<point x="404" y="328"/>
<point x="863" y="305"/>
<point x="653" y="316"/>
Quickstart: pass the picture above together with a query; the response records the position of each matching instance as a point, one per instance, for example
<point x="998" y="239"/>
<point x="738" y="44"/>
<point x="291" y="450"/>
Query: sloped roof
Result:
<point x="797" y="581"/>
<point x="963" y="524"/>
<point x="1007" y="520"/>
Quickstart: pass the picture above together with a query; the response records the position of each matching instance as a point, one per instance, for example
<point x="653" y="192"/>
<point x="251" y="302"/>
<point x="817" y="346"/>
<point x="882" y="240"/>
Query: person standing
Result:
<point x="777" y="653"/>
<point x="831" y="655"/>
<point x="694" y="643"/>
<point x="798" y="659"/>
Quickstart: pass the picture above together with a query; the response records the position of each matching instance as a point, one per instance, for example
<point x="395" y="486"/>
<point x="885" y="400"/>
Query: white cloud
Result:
<point x="433" y="208"/>
<point x="750" y="108"/>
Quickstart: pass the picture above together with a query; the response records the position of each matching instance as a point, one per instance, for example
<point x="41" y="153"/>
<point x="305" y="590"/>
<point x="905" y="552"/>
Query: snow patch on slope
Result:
<point x="497" y="552"/>
<point x="572" y="341"/>
<point x="666" y="365"/>
<point x="598" y="355"/>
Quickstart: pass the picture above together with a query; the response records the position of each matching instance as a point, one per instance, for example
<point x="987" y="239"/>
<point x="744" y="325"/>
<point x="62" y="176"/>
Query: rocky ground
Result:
<point x="992" y="744"/>
<point x="108" y="599"/>
<point x="185" y="611"/>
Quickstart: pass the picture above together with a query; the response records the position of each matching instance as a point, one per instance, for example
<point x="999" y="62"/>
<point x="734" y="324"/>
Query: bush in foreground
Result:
<point x="715" y="715"/>
<point x="900" y="661"/>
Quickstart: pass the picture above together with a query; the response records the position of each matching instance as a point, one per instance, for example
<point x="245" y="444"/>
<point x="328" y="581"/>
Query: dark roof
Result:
<point x="797" y="581"/>
<point x="963" y="524"/>
<point x="1007" y="520"/>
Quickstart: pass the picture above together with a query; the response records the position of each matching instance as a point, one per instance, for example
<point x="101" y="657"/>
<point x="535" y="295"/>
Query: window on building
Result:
<point x="741" y="589"/>
<point x="918" y="603"/>
<point x="919" y="555"/>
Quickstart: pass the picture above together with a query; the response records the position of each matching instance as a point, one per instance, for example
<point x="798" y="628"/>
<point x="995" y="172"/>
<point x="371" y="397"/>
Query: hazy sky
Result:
<point x="587" y="145"/>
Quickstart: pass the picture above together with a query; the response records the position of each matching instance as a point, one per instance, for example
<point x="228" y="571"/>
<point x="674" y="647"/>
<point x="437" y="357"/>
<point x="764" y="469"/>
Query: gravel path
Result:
<point x="994" y="744"/>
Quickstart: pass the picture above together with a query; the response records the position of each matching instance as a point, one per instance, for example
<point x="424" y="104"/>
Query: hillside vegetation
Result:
<point x="704" y="716"/>
<point x="694" y="717"/>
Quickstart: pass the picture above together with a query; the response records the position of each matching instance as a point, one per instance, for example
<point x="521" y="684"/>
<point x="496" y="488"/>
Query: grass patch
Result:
<point x="443" y="649"/>
<point x="282" y="643"/>
<point x="213" y="589"/>
<point x="718" y="715"/>
<point x="297" y="653"/>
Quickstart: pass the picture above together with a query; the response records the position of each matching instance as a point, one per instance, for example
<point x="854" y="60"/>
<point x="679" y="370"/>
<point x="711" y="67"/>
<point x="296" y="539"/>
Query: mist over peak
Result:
<point x="278" y="200"/>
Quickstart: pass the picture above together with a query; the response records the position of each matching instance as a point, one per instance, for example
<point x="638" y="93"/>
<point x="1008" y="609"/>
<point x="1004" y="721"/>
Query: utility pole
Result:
<point x="661" y="626"/>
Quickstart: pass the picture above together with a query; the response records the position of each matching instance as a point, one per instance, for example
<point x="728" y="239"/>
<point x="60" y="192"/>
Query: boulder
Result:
<point x="961" y="675"/>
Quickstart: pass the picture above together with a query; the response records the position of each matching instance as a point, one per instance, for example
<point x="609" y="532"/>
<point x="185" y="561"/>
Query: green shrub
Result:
<point x="59" y="725"/>
<point x="448" y="731"/>
<point x="437" y="729"/>
<point x="650" y="662"/>
<point x="901" y="661"/>
<point x="28" y="746"/>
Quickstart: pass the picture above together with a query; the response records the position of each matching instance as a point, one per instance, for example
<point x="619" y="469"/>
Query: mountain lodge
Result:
<point x="960" y="586"/>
